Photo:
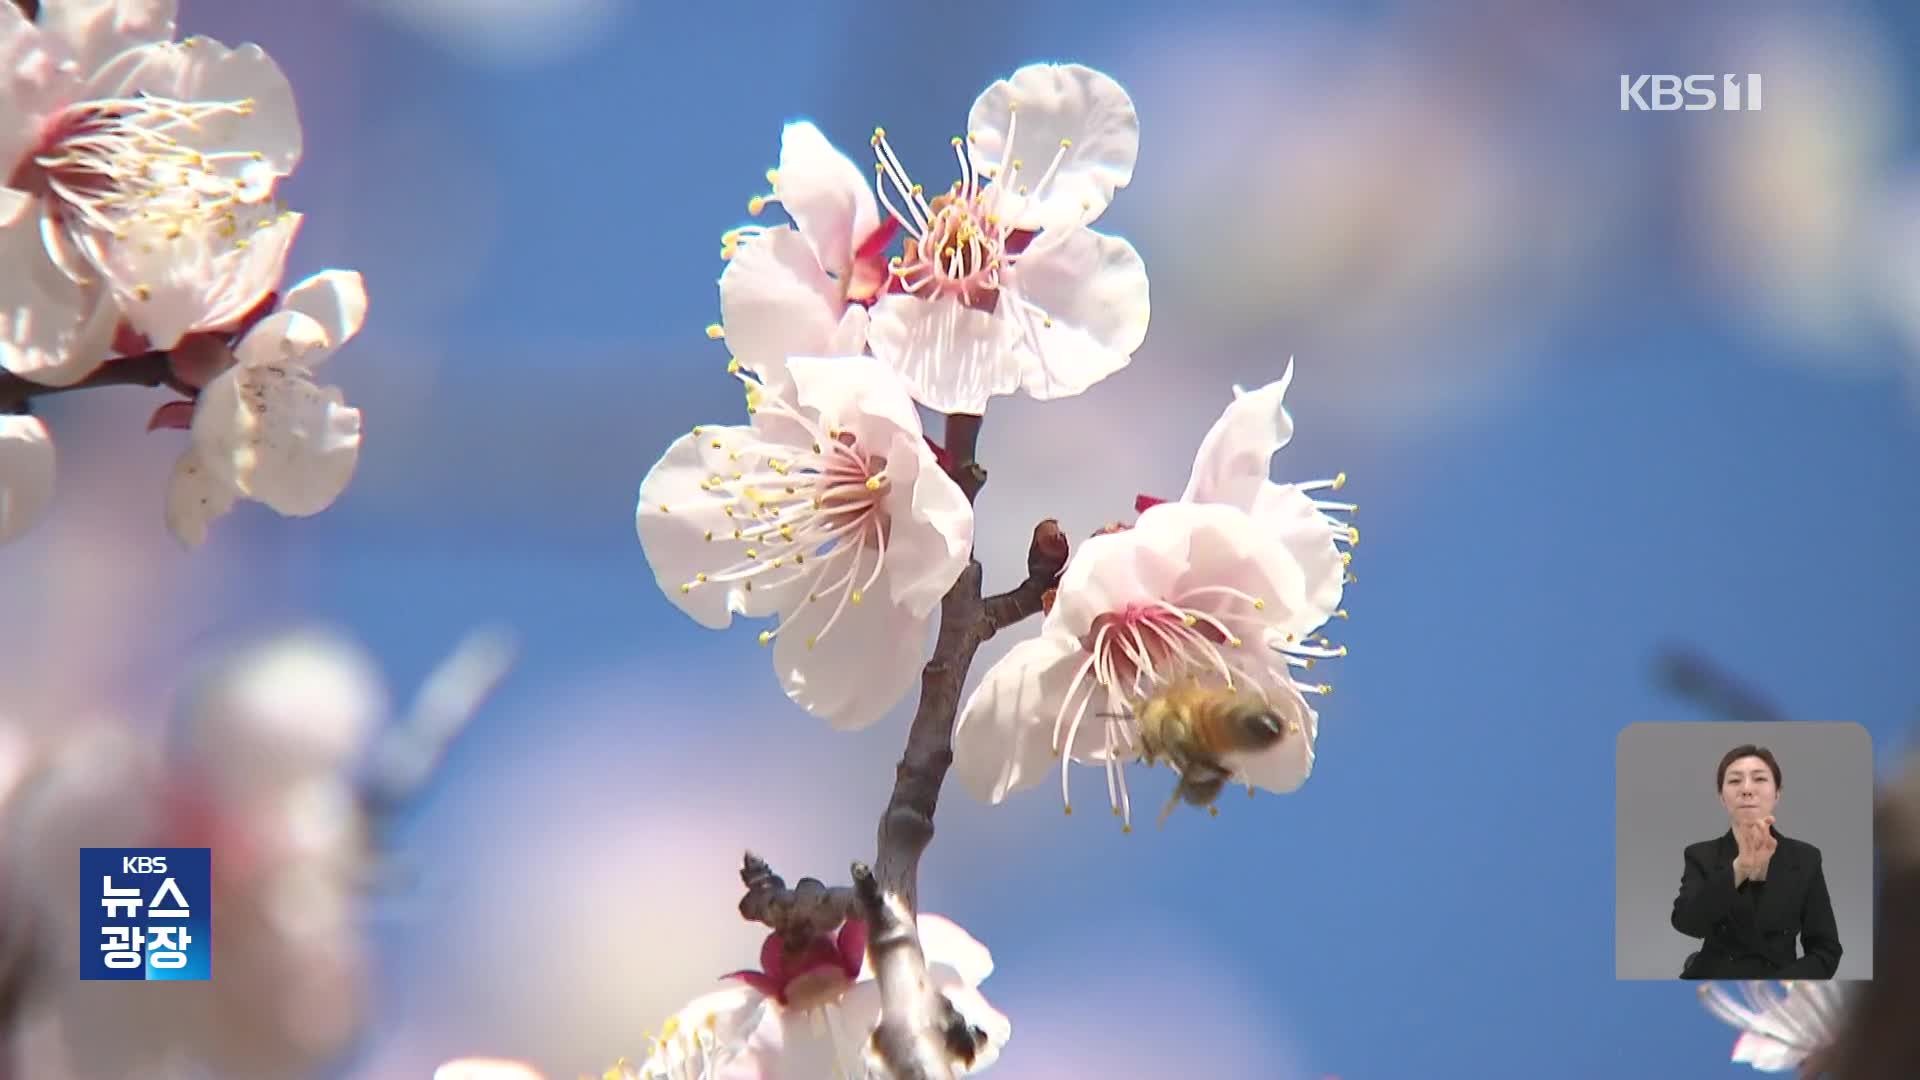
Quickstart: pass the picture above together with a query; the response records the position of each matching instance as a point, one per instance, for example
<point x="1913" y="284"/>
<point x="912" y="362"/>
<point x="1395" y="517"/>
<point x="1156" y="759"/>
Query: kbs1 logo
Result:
<point x="144" y="913"/>
<point x="1694" y="93"/>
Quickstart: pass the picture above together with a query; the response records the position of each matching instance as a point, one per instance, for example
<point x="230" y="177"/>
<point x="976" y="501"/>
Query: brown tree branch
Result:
<point x="1691" y="675"/>
<point x="921" y="1035"/>
<point x="144" y="369"/>
<point x="29" y="8"/>
<point x="1878" y="1039"/>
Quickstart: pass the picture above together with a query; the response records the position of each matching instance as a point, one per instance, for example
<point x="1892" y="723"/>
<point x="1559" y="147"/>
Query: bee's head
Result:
<point x="1258" y="724"/>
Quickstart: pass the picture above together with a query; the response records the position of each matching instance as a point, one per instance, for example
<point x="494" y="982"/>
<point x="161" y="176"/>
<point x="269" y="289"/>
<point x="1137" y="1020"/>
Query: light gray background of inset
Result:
<point x="1665" y="799"/>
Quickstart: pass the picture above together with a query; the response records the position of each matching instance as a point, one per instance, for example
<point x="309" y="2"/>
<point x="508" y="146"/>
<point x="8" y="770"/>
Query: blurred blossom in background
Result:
<point x="1601" y="380"/>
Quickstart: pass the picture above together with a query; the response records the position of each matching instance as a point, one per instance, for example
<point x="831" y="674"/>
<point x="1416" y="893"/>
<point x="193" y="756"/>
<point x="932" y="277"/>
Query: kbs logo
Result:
<point x="144" y="913"/>
<point x="1694" y="93"/>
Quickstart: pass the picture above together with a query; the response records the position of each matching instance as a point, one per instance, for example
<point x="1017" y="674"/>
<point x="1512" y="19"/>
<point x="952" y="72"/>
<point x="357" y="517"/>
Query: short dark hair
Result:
<point x="1748" y="750"/>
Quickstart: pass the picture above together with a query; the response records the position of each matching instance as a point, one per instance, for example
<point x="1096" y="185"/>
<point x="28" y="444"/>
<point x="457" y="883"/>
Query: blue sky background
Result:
<point x="1602" y="381"/>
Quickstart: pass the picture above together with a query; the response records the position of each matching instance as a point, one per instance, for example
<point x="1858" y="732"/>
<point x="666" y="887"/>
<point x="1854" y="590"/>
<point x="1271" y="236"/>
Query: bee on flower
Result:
<point x="1176" y="639"/>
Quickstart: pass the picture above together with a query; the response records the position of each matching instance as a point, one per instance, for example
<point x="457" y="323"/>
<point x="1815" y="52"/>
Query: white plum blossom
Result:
<point x="828" y="510"/>
<point x="1782" y="1024"/>
<point x="26" y="474"/>
<point x="204" y="277"/>
<point x="110" y="130"/>
<point x="263" y="429"/>
<point x="1222" y="586"/>
<point x="801" y="289"/>
<point x="812" y="1012"/>
<point x="807" y="1013"/>
<point x="1003" y="287"/>
<point x="1232" y="467"/>
<point x="1193" y="591"/>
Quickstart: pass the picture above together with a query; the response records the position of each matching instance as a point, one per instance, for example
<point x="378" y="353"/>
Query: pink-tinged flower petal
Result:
<point x="1288" y="516"/>
<point x="827" y="195"/>
<point x="979" y="1013"/>
<point x="932" y="526"/>
<point x="855" y="393"/>
<point x="202" y="69"/>
<point x="704" y="1037"/>
<point x="1110" y="572"/>
<point x="1003" y="740"/>
<point x="953" y="358"/>
<point x="1093" y="290"/>
<point x="793" y="1045"/>
<point x="486" y="1069"/>
<point x="1056" y="102"/>
<point x="336" y="299"/>
<point x="51" y="329"/>
<point x="26" y="474"/>
<point x="685" y="530"/>
<point x="14" y="205"/>
<point x="942" y="941"/>
<point x="94" y="31"/>
<point x="1766" y="1054"/>
<point x="173" y="416"/>
<point x="863" y="666"/>
<point x="776" y="302"/>
<point x="283" y="440"/>
<point x="168" y="286"/>
<point x="284" y="337"/>
<point x="1235" y="459"/>
<point x="196" y="497"/>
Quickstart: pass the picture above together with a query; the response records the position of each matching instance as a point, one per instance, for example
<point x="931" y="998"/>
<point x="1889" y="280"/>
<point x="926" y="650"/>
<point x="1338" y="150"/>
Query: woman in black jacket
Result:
<point x="1755" y="898"/>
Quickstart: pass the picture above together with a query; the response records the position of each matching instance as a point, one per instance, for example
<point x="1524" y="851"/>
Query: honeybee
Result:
<point x="1191" y="725"/>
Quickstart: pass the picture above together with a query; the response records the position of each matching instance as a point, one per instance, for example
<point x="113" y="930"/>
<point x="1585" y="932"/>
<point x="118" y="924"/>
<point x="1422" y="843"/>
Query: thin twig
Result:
<point x="29" y="8"/>
<point x="921" y="1035"/>
<point x="1878" y="1038"/>
<point x="144" y="369"/>
<point x="1692" y="676"/>
<point x="916" y="1038"/>
<point x="807" y="911"/>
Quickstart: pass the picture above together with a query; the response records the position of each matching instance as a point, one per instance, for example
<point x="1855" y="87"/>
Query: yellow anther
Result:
<point x="879" y="133"/>
<point x="1188" y="620"/>
<point x="1353" y="534"/>
<point x="873" y="483"/>
<point x="700" y="578"/>
<point x="715" y="444"/>
<point x="811" y="642"/>
<point x="709" y="535"/>
<point x="715" y="332"/>
<point x="1259" y="604"/>
<point x="1340" y="614"/>
<point x="663" y="509"/>
<point x="956" y="140"/>
<point x="733" y="366"/>
<point x="1069" y="810"/>
<point x="753" y="553"/>
<point x="686" y="589"/>
<point x="143" y="292"/>
<point x="766" y="636"/>
<point x="773" y="177"/>
<point x="1213" y="811"/>
<point x="1235" y="642"/>
<point x="1346" y="558"/>
<point x="1066" y="144"/>
<point x="1339" y="481"/>
<point x="756" y="204"/>
<point x="855" y="597"/>
<point x="1126" y="830"/>
<point x="1016" y="164"/>
<point x="786" y="532"/>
